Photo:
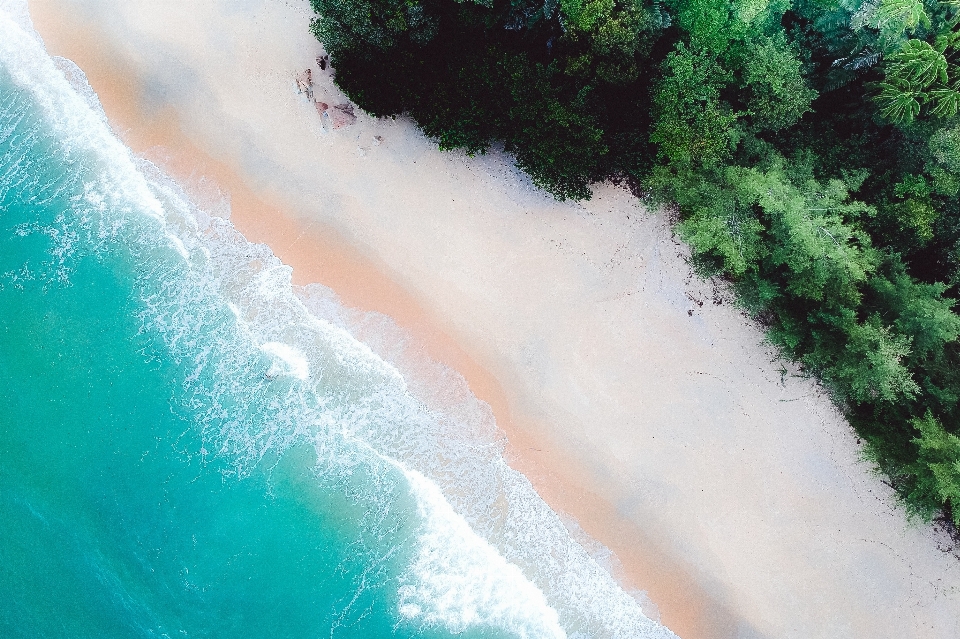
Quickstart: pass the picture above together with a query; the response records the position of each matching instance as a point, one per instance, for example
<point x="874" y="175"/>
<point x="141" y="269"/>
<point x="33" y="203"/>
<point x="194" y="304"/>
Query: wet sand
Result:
<point x="729" y="488"/>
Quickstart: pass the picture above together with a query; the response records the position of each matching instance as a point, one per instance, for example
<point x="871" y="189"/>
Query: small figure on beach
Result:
<point x="339" y="115"/>
<point x="305" y="83"/>
<point x="342" y="115"/>
<point x="323" y="61"/>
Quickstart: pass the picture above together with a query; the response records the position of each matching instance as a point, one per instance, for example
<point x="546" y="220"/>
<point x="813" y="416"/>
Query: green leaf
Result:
<point x="918" y="63"/>
<point x="898" y="16"/>
<point x="946" y="102"/>
<point x="898" y="101"/>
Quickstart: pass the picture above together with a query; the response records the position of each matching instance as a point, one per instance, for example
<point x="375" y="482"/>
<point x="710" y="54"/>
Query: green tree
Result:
<point x="777" y="93"/>
<point x="824" y="256"/>
<point x="380" y="24"/>
<point x="943" y="165"/>
<point x="895" y="17"/>
<point x="559" y="145"/>
<point x="705" y="22"/>
<point x="711" y="25"/>
<point x="606" y="37"/>
<point x="722" y="225"/>
<point x="921" y="311"/>
<point x="693" y="124"/>
<point x="937" y="469"/>
<point x="871" y="367"/>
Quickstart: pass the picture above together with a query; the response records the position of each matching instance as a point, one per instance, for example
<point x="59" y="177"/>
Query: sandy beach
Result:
<point x="640" y="403"/>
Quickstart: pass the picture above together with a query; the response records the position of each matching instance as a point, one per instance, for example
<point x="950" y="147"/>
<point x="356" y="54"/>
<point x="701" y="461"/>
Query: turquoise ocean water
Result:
<point x="190" y="447"/>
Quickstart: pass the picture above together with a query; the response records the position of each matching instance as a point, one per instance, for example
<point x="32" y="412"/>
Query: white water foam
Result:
<point x="458" y="578"/>
<point x="461" y="449"/>
<point x="18" y="12"/>
<point x="490" y="552"/>
<point x="287" y="361"/>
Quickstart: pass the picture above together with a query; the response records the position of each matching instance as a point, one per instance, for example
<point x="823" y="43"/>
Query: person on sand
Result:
<point x="305" y="83"/>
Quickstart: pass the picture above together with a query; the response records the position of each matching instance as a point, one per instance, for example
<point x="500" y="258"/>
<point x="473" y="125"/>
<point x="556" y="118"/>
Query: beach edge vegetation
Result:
<point x="811" y="147"/>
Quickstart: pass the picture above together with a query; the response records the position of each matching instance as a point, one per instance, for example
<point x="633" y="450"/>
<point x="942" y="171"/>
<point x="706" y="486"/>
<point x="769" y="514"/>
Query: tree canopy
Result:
<point x="811" y="146"/>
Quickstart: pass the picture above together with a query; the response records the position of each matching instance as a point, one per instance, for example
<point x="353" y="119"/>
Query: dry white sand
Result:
<point x="729" y="487"/>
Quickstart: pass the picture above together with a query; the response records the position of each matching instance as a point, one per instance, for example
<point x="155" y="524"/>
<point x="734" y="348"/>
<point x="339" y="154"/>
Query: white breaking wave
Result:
<point x="461" y="450"/>
<point x="288" y="361"/>
<point x="460" y="580"/>
<point x="489" y="552"/>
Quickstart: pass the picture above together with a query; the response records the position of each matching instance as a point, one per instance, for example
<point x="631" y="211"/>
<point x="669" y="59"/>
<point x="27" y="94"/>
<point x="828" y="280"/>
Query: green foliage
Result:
<point x="584" y="14"/>
<point x="557" y="144"/>
<point x="936" y="470"/>
<point x="920" y="310"/>
<point x="799" y="232"/>
<point x="945" y="148"/>
<point x="943" y="163"/>
<point x="918" y="73"/>
<point x="918" y="216"/>
<point x="870" y="369"/>
<point x="826" y="257"/>
<point x="706" y="22"/>
<point x="778" y="94"/>
<point x="374" y="23"/>
<point x="900" y="16"/>
<point x="605" y="38"/>
<point x="899" y="100"/>
<point x="918" y="64"/>
<point x="722" y="225"/>
<point x="693" y="125"/>
<point x="711" y="25"/>
<point x="812" y="148"/>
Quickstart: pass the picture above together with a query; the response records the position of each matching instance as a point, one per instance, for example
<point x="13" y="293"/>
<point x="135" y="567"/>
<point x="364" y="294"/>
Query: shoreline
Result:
<point x="695" y="599"/>
<point x="681" y="604"/>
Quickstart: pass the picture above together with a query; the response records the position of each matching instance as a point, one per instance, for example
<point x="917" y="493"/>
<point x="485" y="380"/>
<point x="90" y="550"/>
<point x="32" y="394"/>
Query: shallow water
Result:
<point x="190" y="447"/>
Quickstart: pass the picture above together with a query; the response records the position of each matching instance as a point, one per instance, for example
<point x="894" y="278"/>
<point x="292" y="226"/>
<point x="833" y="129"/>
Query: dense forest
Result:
<point x="812" y="148"/>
